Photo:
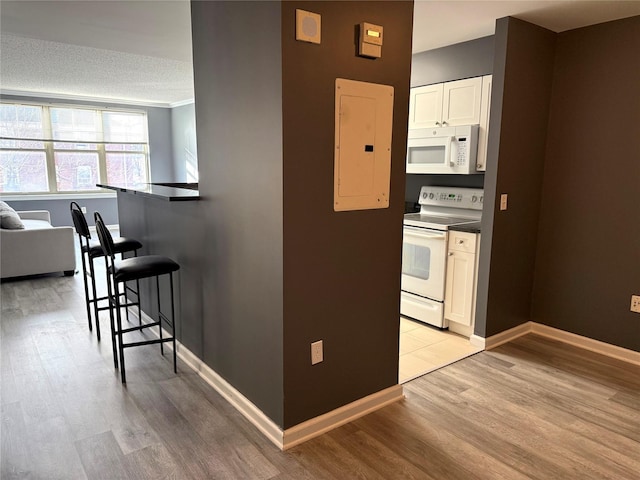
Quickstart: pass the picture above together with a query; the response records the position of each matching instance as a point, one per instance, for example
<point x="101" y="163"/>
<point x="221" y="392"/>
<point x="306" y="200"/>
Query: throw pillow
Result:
<point x="9" y="219"/>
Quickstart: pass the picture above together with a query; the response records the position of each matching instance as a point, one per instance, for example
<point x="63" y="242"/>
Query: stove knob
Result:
<point x="474" y="199"/>
<point x="424" y="195"/>
<point x="431" y="196"/>
<point x="481" y="199"/>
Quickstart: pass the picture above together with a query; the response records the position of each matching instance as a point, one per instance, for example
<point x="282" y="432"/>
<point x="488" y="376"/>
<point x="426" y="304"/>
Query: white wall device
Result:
<point x="370" y="44"/>
<point x="307" y="26"/>
<point x="363" y="128"/>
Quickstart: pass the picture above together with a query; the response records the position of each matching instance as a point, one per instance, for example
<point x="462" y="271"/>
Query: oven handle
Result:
<point x="426" y="233"/>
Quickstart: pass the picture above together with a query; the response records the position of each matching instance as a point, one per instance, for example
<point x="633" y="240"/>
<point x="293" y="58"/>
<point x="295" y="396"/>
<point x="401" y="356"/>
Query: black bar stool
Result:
<point x="90" y="250"/>
<point x="128" y="269"/>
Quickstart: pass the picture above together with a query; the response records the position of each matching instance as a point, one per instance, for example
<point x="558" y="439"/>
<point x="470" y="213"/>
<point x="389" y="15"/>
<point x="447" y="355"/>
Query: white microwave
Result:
<point x="443" y="150"/>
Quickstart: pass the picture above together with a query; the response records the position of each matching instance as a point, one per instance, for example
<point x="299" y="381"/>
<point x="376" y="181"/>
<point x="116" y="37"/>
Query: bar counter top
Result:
<point x="172" y="192"/>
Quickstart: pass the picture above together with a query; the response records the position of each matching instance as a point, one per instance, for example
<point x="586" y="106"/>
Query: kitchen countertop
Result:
<point x="467" y="227"/>
<point x="155" y="190"/>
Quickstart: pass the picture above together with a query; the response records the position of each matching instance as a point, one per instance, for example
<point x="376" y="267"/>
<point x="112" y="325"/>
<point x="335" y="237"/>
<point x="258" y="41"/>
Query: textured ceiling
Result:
<point x="140" y="51"/>
<point x="32" y="66"/>
<point x="131" y="51"/>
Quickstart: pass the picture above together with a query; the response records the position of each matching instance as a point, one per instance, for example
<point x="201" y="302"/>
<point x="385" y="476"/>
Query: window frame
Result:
<point x="101" y="150"/>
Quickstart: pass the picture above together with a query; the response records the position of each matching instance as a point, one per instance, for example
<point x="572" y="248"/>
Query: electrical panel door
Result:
<point x="364" y="123"/>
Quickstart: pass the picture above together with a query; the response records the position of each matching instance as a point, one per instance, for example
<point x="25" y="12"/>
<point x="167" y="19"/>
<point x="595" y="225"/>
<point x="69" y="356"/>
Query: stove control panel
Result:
<point x="470" y="198"/>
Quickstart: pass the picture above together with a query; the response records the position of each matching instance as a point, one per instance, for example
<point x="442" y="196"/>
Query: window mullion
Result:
<point x="102" y="155"/>
<point x="49" y="151"/>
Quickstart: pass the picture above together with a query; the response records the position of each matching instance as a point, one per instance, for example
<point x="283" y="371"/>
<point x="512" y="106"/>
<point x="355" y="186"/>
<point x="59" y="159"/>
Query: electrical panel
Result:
<point x="363" y="128"/>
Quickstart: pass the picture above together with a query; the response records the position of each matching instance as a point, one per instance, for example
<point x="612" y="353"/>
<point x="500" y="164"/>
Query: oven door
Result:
<point x="423" y="262"/>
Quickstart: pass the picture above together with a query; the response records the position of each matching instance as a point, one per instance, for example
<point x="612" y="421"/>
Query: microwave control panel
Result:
<point x="463" y="148"/>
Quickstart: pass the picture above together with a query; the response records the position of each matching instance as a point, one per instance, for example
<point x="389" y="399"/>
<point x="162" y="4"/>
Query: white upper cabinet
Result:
<point x="425" y="106"/>
<point x="446" y="104"/>
<point x="461" y="102"/>
<point x="483" y="134"/>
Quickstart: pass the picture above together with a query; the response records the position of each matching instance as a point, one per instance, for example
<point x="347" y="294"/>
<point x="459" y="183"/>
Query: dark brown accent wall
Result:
<point x="588" y="255"/>
<point x="341" y="269"/>
<point x="282" y="269"/>
<point x="522" y="74"/>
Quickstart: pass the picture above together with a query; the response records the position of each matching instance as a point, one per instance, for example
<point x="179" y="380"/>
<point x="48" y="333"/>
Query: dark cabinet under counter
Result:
<point x="164" y="191"/>
<point x="167" y="222"/>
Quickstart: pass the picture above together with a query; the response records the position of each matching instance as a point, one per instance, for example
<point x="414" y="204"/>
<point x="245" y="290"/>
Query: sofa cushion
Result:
<point x="9" y="219"/>
<point x="30" y="224"/>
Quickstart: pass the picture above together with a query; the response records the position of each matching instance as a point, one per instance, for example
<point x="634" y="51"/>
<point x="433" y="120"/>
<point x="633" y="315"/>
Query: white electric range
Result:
<point x="424" y="249"/>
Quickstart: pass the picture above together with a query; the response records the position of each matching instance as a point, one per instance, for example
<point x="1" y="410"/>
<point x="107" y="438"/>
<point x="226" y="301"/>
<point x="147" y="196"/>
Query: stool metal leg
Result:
<point x="86" y="286"/>
<point x="126" y="299"/>
<point x="119" y="324"/>
<point x="92" y="273"/>
<point x="138" y="295"/>
<point x="159" y="314"/>
<point x="111" y="306"/>
<point x="173" y="326"/>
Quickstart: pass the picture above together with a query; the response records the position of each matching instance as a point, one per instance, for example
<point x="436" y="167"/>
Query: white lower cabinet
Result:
<point x="460" y="290"/>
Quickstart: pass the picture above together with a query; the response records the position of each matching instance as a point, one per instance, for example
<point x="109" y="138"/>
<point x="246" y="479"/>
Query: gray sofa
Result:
<point x="38" y="248"/>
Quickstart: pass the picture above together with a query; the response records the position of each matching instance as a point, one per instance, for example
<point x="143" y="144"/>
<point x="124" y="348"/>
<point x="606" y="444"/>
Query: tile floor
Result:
<point x="424" y="349"/>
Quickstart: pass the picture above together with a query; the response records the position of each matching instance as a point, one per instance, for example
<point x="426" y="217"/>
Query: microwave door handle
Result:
<point x="453" y="142"/>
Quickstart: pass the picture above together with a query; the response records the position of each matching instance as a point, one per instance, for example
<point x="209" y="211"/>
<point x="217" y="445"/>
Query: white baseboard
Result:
<point x="508" y="335"/>
<point x="317" y="426"/>
<point x="478" y="341"/>
<point x="613" y="351"/>
<point x="290" y="437"/>
<point x="241" y="403"/>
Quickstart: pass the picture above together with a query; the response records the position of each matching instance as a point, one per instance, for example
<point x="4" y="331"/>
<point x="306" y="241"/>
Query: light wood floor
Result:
<point x="533" y="408"/>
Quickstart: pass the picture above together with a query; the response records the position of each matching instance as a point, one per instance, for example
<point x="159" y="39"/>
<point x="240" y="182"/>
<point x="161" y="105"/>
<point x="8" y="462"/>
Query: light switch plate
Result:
<point x="307" y="26"/>
<point x="317" y="355"/>
<point x="503" y="201"/>
<point x="635" y="303"/>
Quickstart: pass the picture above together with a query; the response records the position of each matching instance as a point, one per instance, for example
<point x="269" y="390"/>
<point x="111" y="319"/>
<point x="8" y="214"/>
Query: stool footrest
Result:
<point x="146" y="342"/>
<point x="138" y="328"/>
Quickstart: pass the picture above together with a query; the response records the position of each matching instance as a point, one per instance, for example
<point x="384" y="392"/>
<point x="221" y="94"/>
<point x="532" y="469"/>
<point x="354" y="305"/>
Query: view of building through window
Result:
<point x="57" y="149"/>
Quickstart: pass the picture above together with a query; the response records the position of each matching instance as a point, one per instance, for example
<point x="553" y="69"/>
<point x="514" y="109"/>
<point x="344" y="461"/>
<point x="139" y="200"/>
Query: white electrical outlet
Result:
<point x="635" y="303"/>
<point x="316" y="352"/>
<point x="503" y="201"/>
<point x="84" y="209"/>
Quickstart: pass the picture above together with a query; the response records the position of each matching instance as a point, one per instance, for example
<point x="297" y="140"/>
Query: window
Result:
<point x="58" y="149"/>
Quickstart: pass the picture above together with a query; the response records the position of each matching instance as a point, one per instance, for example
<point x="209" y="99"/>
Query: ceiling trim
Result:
<point x="61" y="96"/>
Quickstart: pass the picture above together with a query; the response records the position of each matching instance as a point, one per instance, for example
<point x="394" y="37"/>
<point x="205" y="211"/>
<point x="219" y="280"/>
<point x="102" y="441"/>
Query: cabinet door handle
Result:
<point x="438" y="124"/>
<point x="451" y="254"/>
<point x="444" y="123"/>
